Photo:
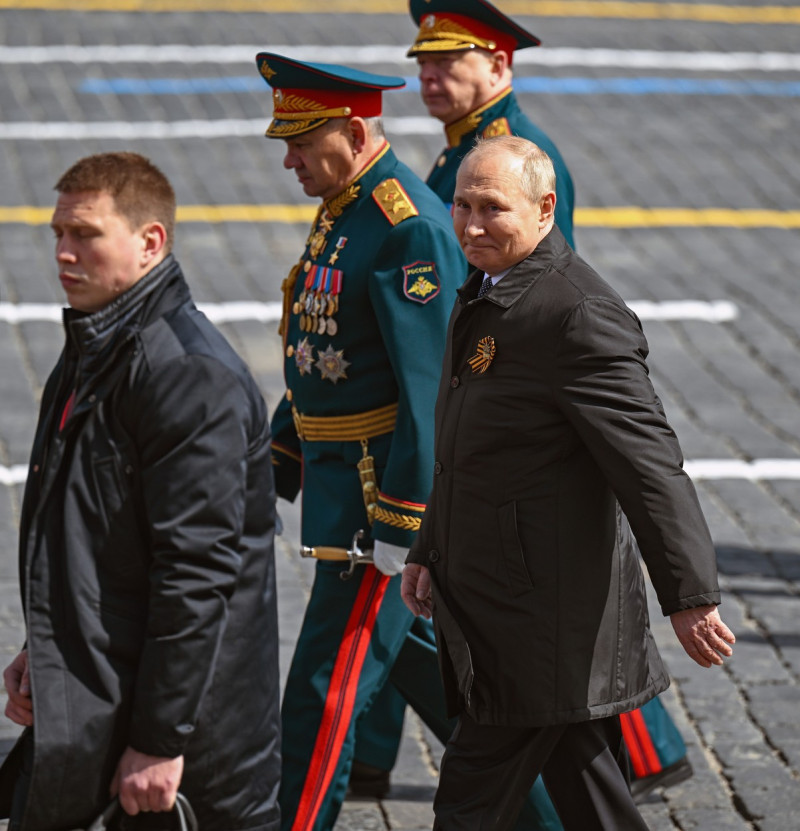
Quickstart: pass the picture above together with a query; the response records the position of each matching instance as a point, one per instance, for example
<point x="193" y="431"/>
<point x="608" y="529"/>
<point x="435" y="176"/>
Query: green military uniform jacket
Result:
<point x="501" y="116"/>
<point x="365" y="317"/>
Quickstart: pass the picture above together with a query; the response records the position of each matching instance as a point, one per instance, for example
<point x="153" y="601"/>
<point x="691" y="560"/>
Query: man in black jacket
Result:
<point x="547" y="423"/>
<point x="146" y="541"/>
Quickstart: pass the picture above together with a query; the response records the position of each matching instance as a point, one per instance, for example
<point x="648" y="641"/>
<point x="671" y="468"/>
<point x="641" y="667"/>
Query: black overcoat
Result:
<point x="146" y="567"/>
<point x="539" y="597"/>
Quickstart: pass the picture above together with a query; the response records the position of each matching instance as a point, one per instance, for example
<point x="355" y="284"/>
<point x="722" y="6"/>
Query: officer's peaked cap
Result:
<point x="458" y="25"/>
<point x="306" y="95"/>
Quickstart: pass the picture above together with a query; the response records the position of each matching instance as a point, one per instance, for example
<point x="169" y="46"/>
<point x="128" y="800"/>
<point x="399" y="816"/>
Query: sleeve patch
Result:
<point x="393" y="201"/>
<point x="420" y="281"/>
<point x="498" y="127"/>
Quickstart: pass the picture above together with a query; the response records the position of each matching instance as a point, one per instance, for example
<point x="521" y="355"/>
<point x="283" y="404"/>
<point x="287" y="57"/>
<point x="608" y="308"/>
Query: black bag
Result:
<point x="187" y="821"/>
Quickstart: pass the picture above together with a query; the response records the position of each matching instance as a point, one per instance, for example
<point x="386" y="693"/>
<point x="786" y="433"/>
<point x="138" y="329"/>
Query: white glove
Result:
<point x="389" y="559"/>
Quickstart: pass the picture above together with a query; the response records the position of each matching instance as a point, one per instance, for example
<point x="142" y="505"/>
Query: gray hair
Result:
<point x="538" y="175"/>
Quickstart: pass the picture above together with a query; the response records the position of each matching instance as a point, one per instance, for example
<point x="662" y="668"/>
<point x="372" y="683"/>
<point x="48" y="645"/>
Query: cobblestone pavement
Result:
<point x="731" y="388"/>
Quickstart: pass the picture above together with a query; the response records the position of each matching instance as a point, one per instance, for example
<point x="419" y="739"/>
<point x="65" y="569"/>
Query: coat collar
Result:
<point x="95" y="334"/>
<point x="523" y="275"/>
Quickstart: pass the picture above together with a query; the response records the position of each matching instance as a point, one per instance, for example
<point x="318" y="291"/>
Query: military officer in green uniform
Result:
<point x="364" y="320"/>
<point x="464" y="51"/>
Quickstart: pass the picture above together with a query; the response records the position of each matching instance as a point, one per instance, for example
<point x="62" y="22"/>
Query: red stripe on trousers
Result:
<point x="338" y="710"/>
<point x="640" y="746"/>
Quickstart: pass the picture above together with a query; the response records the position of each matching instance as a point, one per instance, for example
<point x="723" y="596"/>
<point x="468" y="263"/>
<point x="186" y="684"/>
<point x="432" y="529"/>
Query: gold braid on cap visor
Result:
<point x="299" y="115"/>
<point x="447" y="34"/>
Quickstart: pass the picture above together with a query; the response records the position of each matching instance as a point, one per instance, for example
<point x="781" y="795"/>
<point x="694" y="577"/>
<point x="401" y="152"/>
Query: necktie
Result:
<point x="485" y="286"/>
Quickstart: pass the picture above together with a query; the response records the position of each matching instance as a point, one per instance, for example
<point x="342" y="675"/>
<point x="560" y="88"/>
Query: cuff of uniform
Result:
<point x="396" y="521"/>
<point x="287" y="467"/>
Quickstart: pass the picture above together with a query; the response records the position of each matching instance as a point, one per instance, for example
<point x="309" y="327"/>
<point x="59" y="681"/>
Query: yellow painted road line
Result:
<point x="632" y="217"/>
<point x="700" y="12"/>
<point x="618" y="217"/>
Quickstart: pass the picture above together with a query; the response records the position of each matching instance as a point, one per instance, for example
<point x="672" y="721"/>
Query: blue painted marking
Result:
<point x="538" y="84"/>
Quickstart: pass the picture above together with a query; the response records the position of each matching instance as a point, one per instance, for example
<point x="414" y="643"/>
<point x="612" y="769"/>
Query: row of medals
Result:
<point x="316" y="310"/>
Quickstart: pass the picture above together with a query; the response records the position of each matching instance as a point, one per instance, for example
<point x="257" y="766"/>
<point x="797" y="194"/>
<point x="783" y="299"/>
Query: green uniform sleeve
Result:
<point x="415" y="277"/>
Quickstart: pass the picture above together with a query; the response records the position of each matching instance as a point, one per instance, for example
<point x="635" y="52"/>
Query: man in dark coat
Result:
<point x="146" y="541"/>
<point x="547" y="423"/>
<point x="464" y="51"/>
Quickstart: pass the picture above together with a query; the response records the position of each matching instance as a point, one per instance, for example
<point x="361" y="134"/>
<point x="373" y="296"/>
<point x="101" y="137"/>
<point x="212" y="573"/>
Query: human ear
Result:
<point x="357" y="128"/>
<point x="547" y="208"/>
<point x="500" y="64"/>
<point x="154" y="240"/>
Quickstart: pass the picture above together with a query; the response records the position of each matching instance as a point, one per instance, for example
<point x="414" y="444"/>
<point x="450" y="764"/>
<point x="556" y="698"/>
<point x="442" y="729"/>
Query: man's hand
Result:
<point x="19" y="707"/>
<point x="703" y="635"/>
<point x="146" y="783"/>
<point x="416" y="590"/>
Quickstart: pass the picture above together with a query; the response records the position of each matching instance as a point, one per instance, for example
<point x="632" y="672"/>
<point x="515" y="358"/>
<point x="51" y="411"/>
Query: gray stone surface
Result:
<point x="732" y="390"/>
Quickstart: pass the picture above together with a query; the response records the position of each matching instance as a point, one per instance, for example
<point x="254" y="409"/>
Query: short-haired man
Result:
<point x="146" y="540"/>
<point x="465" y="50"/>
<point x="547" y="423"/>
<point x="365" y="313"/>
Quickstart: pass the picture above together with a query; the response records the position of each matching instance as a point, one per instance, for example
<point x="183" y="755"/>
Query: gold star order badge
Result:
<point x="484" y="356"/>
<point x="304" y="356"/>
<point x="331" y="364"/>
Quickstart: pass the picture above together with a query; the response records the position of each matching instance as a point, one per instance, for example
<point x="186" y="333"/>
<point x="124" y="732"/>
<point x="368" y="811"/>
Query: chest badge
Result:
<point x="484" y="356"/>
<point x="331" y="364"/>
<point x="304" y="356"/>
<point x="339" y="246"/>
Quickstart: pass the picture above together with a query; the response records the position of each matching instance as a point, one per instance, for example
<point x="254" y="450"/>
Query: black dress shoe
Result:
<point x="368" y="781"/>
<point x="677" y="772"/>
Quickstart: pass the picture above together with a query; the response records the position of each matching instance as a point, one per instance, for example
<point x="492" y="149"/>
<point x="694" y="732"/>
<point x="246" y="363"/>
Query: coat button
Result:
<point x="437" y="468"/>
<point x="433" y="556"/>
<point x="92" y="399"/>
<point x="454" y="381"/>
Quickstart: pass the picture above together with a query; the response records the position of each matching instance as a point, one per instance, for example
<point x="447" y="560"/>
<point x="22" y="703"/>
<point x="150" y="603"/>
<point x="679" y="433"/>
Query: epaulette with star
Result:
<point x="498" y="127"/>
<point x="394" y="202"/>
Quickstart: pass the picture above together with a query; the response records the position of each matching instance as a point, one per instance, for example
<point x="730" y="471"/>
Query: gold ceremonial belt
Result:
<point x="346" y="428"/>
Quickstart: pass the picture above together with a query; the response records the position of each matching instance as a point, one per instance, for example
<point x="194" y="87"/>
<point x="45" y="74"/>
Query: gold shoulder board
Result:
<point x="498" y="127"/>
<point x="393" y="201"/>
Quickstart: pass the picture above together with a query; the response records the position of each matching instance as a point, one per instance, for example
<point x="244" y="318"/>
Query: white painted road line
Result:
<point x="14" y="475"/>
<point x="758" y="469"/>
<point x="715" y="311"/>
<point x="698" y="469"/>
<point x="216" y="312"/>
<point x="389" y="54"/>
<point x="207" y="129"/>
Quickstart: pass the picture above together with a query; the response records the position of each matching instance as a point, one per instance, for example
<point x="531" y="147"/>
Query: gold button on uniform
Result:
<point x="289" y="351"/>
<point x="289" y="395"/>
